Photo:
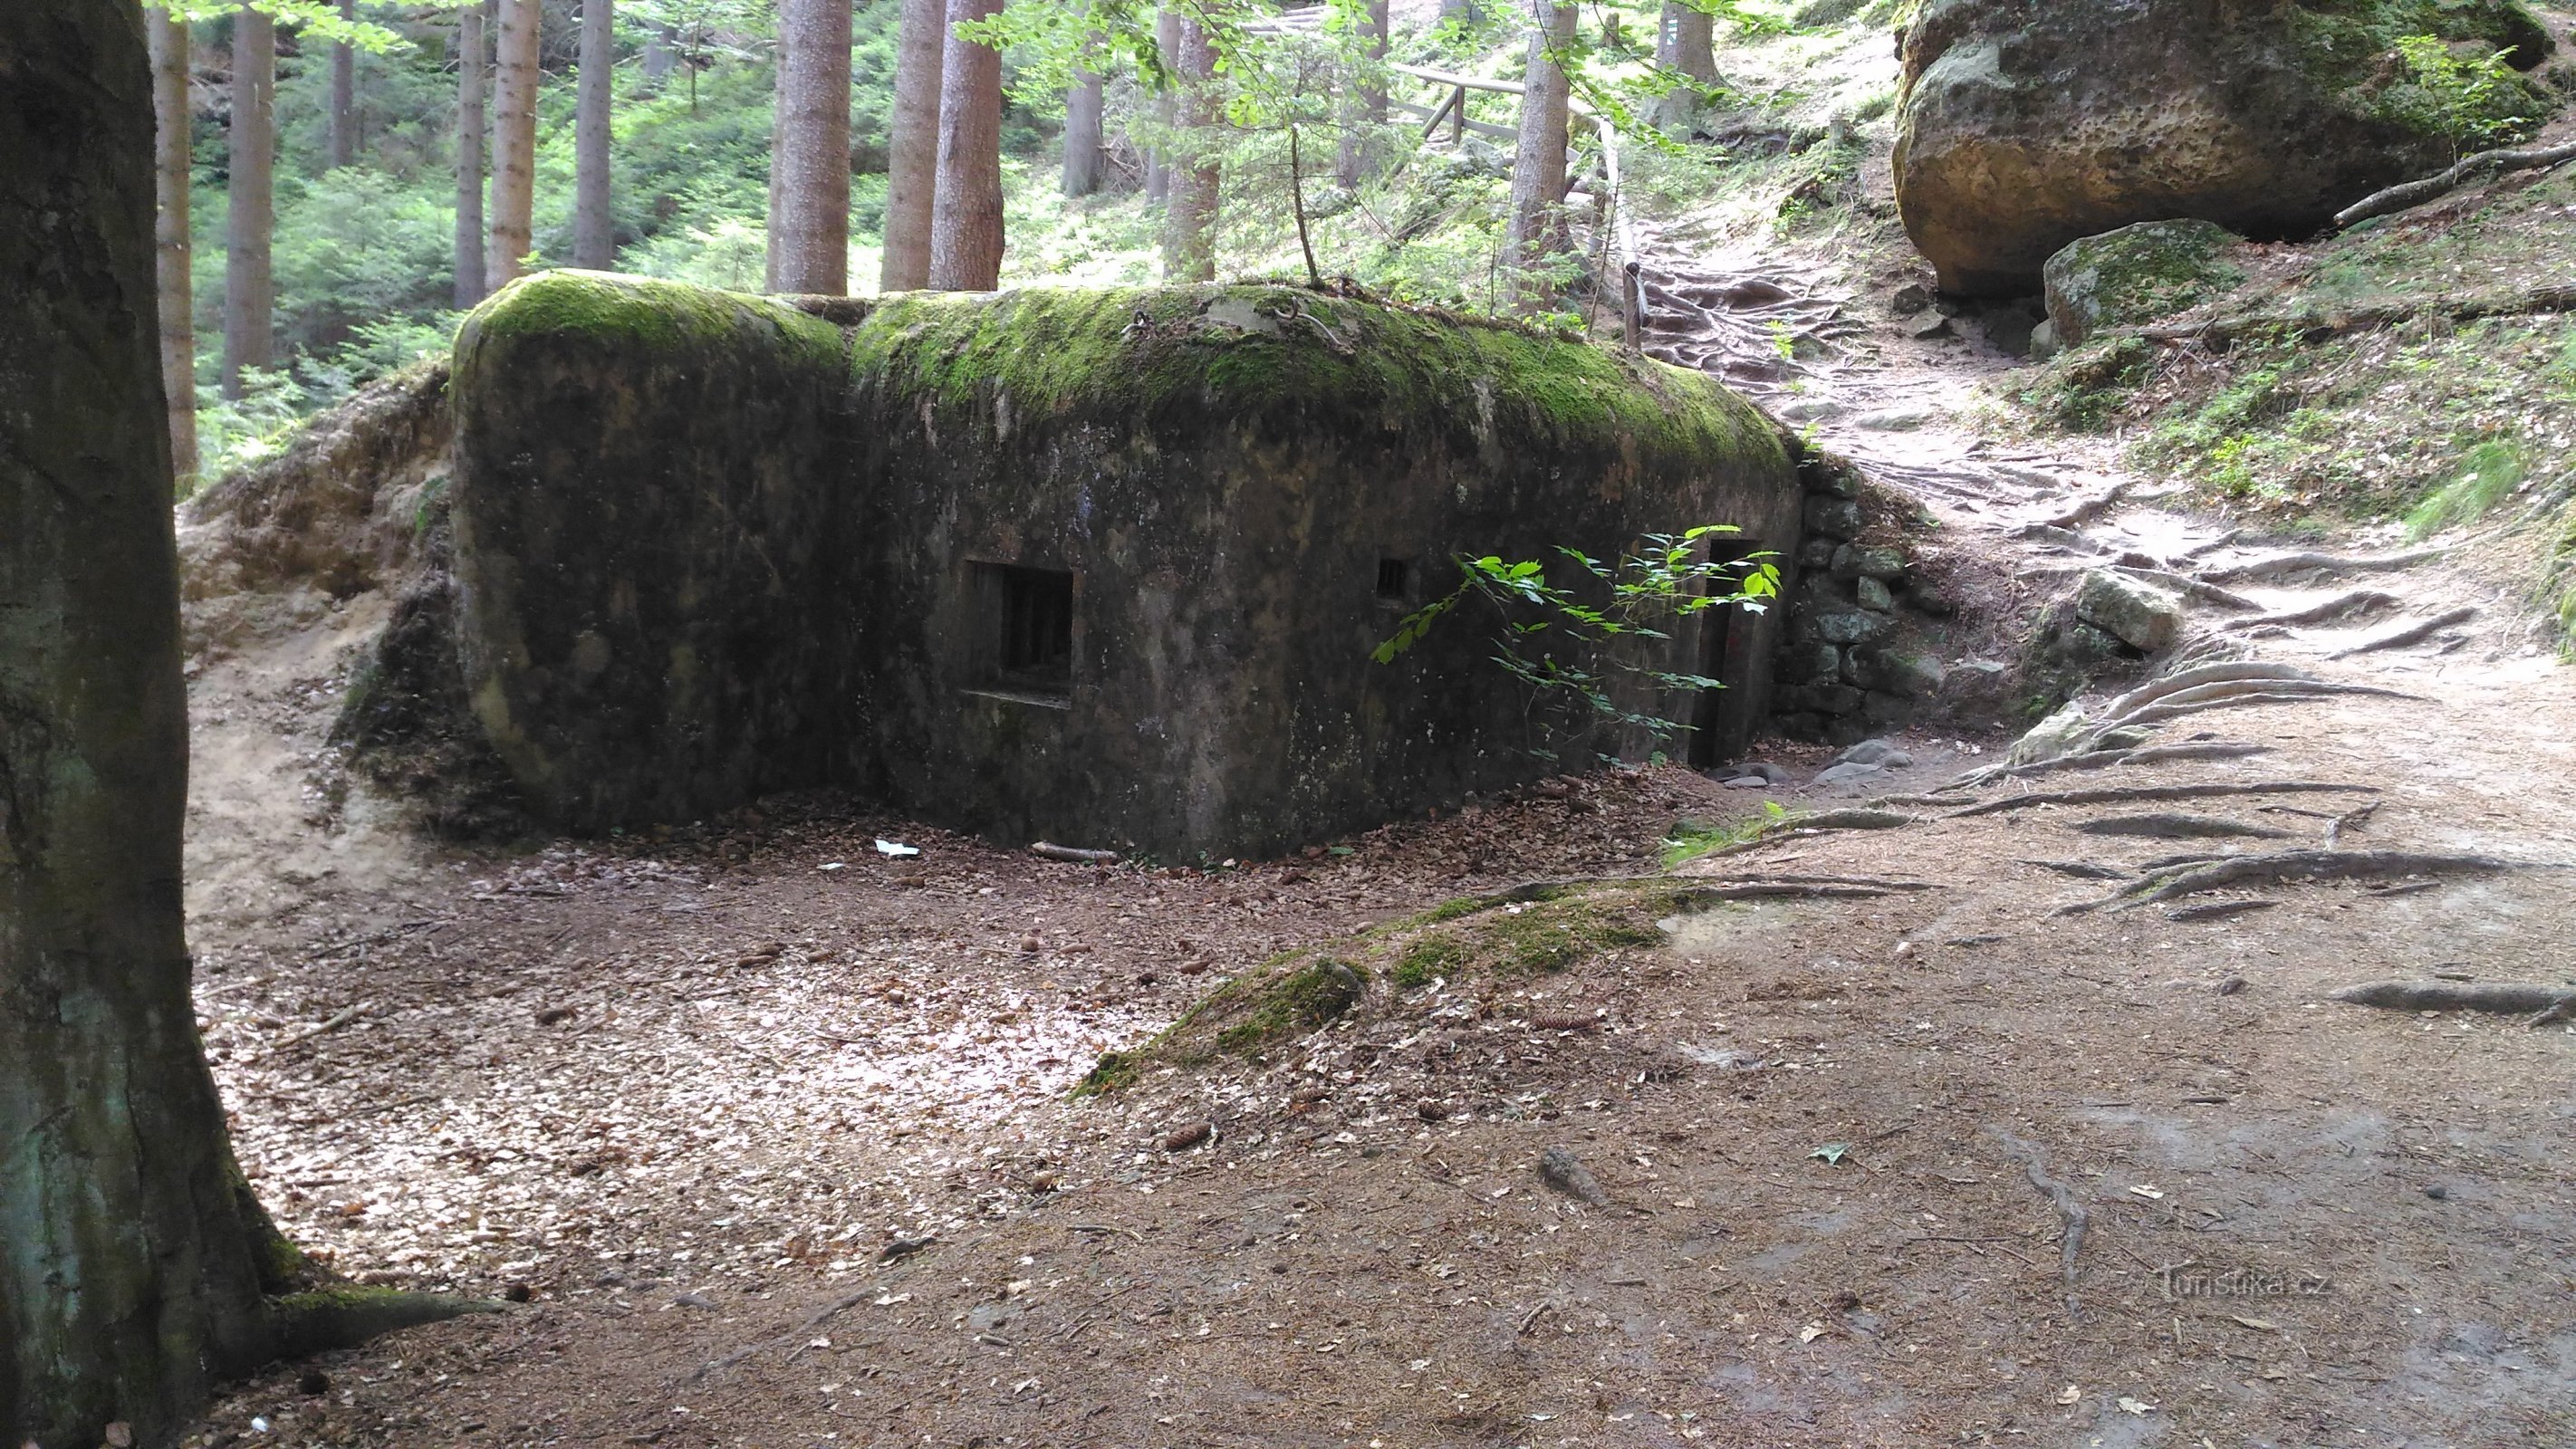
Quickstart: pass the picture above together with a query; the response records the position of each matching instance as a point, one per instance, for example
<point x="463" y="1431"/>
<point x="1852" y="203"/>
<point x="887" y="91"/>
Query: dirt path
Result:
<point x="773" y="1128"/>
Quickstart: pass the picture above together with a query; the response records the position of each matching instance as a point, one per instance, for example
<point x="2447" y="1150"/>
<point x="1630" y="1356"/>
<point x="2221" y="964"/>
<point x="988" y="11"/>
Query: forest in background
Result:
<point x="366" y="158"/>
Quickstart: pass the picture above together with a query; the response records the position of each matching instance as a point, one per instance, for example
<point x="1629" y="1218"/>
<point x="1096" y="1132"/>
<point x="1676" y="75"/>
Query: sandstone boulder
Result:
<point x="2024" y="127"/>
<point x="2137" y="614"/>
<point x="2134" y="275"/>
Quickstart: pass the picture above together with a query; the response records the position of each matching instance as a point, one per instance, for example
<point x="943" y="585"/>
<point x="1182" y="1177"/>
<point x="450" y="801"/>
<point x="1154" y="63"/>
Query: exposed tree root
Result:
<point x="2138" y="793"/>
<point x="2081" y="869"/>
<point x="2352" y="819"/>
<point x="2166" y="826"/>
<point x="2412" y="634"/>
<point x="2206" y="592"/>
<point x="2070" y="1207"/>
<point x="2548" y="1005"/>
<point x="2359" y="601"/>
<point x="2389" y="200"/>
<point x="2086" y="510"/>
<point x="2104" y="759"/>
<point x="2316" y="323"/>
<point x="2290" y="565"/>
<point x="2225" y="672"/>
<point x="2311" y="865"/>
<point x="2239" y="695"/>
<point x="2218" y="910"/>
<point x="309" y="1323"/>
<point x="1769" y="890"/>
<point x="1855" y="818"/>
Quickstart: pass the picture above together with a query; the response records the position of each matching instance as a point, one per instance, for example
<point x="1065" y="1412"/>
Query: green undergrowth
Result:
<point x="1298" y="992"/>
<point x="1690" y="841"/>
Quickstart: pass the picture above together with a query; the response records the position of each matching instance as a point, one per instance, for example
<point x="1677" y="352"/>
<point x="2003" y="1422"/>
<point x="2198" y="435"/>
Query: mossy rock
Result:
<point x="2134" y="275"/>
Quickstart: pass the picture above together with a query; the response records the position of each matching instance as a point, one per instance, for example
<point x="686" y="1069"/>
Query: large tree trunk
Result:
<point x="912" y="150"/>
<point x="514" y="143"/>
<point x="134" y="1262"/>
<point x="472" y="65"/>
<point x="344" y="95"/>
<point x="1688" y="42"/>
<point x="809" y="150"/>
<point x="1538" y="169"/>
<point x="250" y="290"/>
<point x="1083" y="114"/>
<point x="1189" y="228"/>
<point x="128" y="1275"/>
<point x="1167" y="108"/>
<point x="1367" y="112"/>
<point x="594" y="227"/>
<point x="966" y="211"/>
<point x="170" y="239"/>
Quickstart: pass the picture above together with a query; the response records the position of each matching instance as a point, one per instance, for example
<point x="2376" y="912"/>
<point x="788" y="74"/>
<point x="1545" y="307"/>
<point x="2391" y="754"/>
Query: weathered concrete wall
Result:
<point x="652" y="537"/>
<point x="1225" y="472"/>
<point x="695" y="567"/>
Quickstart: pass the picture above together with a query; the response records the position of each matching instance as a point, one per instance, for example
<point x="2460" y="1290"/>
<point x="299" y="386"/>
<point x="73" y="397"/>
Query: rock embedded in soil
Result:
<point x="2136" y="274"/>
<point x="2138" y="614"/>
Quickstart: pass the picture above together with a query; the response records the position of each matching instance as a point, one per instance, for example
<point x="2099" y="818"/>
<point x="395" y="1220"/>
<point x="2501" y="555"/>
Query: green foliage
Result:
<point x="2469" y="101"/>
<point x="1576" y="648"/>
<point x="1690" y="842"/>
<point x="2484" y="475"/>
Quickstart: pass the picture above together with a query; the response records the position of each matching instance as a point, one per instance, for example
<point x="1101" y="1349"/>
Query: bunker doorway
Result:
<point x="1731" y="647"/>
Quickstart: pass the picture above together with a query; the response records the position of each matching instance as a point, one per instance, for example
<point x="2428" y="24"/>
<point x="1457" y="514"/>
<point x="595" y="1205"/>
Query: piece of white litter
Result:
<point x="896" y="848"/>
<point x="2132" y="1406"/>
<point x="2143" y="1190"/>
<point x="833" y="865"/>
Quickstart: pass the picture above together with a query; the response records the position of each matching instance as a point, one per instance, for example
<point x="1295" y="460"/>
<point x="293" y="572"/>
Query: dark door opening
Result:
<point x="1720" y="720"/>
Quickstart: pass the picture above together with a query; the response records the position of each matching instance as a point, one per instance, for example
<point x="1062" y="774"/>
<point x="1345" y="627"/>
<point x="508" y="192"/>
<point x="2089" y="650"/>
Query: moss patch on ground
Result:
<point x="1299" y="992"/>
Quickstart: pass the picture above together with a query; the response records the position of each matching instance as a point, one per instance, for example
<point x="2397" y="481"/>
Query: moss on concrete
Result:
<point x="638" y="316"/>
<point x="1272" y="350"/>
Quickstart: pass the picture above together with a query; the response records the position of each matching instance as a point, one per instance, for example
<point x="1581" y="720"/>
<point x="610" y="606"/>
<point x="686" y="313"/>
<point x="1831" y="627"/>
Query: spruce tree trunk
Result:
<point x="472" y="67"/>
<point x="1367" y="112"/>
<point x="1538" y="168"/>
<point x="657" y="54"/>
<point x="128" y="1276"/>
<point x="250" y="290"/>
<point x="966" y="209"/>
<point x="912" y="147"/>
<point x="514" y="143"/>
<point x="171" y="246"/>
<point x="1688" y="42"/>
<point x="809" y="150"/>
<point x="1189" y="227"/>
<point x="344" y="95"/>
<point x="594" y="230"/>
<point x="1167" y="108"/>
<point x="1083" y="114"/>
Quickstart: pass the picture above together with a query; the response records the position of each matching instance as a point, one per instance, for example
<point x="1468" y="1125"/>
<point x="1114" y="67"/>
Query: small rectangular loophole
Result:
<point x="1027" y="627"/>
<point x="1394" y="577"/>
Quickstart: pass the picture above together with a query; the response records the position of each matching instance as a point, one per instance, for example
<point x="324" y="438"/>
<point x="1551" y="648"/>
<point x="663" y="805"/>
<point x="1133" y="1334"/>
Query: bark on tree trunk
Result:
<point x="250" y="291"/>
<point x="1082" y="135"/>
<point x="170" y="240"/>
<point x="127" y="1269"/>
<point x="1167" y="113"/>
<point x="1538" y="170"/>
<point x="657" y="53"/>
<point x="1361" y="120"/>
<point x="912" y="149"/>
<point x="966" y="212"/>
<point x="809" y="151"/>
<point x="594" y="229"/>
<point x="1688" y="42"/>
<point x="344" y="95"/>
<point x="1189" y="231"/>
<point x="134" y="1262"/>
<point x="472" y="63"/>
<point x="514" y="143"/>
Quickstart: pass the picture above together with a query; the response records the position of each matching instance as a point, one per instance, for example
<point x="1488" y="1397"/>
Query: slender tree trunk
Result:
<point x="1189" y="228"/>
<point x="809" y="150"/>
<point x="1082" y="134"/>
<point x="912" y="151"/>
<point x="966" y="211"/>
<point x="127" y="1276"/>
<point x="171" y="173"/>
<point x="1538" y="170"/>
<point x="1688" y="42"/>
<point x="1167" y="112"/>
<point x="472" y="66"/>
<point x="1462" y="12"/>
<point x="514" y="143"/>
<point x="344" y="95"/>
<point x="594" y="229"/>
<point x="250" y="291"/>
<point x="657" y="54"/>
<point x="1361" y="120"/>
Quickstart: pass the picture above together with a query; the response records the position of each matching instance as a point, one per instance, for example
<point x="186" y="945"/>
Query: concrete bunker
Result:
<point x="1099" y="566"/>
